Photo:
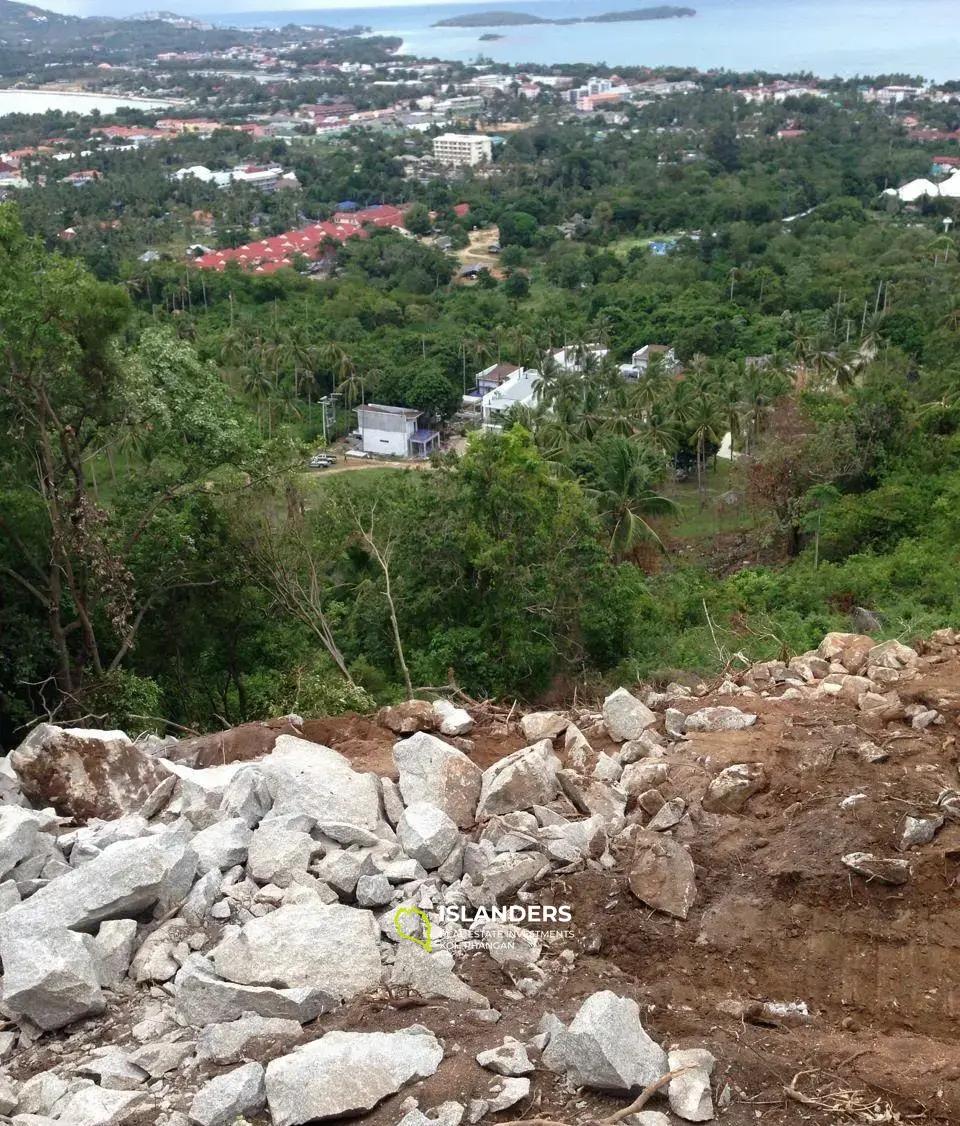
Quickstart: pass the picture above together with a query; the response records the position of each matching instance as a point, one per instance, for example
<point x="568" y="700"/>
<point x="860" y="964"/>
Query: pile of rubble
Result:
<point x="180" y="942"/>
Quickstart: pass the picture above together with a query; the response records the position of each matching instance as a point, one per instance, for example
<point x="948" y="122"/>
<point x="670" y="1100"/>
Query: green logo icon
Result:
<point x="398" y="920"/>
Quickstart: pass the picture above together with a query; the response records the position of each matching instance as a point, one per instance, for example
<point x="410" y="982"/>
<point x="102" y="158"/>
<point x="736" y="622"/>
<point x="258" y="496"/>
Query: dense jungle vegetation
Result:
<point x="164" y="556"/>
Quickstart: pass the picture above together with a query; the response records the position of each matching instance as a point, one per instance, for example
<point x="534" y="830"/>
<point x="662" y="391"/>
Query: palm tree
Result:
<point x="624" y="495"/>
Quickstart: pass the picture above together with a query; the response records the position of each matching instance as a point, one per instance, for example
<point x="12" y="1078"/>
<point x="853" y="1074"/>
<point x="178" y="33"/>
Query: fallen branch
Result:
<point x="637" y="1105"/>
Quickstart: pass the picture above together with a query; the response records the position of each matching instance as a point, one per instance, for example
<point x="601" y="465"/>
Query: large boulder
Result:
<point x="526" y="778"/>
<point x="202" y="998"/>
<point x="662" y="874"/>
<point x="52" y="977"/>
<point x="222" y="845"/>
<point x="250" y="1037"/>
<point x="606" y="1047"/>
<point x="308" y="778"/>
<point x="409" y="716"/>
<point x="719" y="719"/>
<point x="543" y="725"/>
<point x="427" y="834"/>
<point x="18" y="836"/>
<point x="347" y="1073"/>
<point x="124" y="880"/>
<point x="242" y="743"/>
<point x="626" y="717"/>
<point x="432" y="771"/>
<point x="85" y="773"/>
<point x="327" y="946"/>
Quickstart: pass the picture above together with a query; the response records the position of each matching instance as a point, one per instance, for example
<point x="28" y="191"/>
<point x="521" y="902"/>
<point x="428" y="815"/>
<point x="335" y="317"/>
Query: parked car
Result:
<point x="322" y="461"/>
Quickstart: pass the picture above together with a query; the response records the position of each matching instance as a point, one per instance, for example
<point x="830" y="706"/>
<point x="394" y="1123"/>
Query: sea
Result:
<point x="824" y="37"/>
<point x="39" y="101"/>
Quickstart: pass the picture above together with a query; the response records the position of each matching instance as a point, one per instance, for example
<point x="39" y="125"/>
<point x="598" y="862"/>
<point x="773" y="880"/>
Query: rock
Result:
<point x="668" y="815"/>
<point x="201" y="792"/>
<point x="9" y="1097"/>
<point x="606" y="1047"/>
<point x="347" y="1073"/>
<point x="892" y="655"/>
<point x="675" y="723"/>
<point x="159" y="797"/>
<point x="392" y="801"/>
<point x="251" y="1037"/>
<point x="863" y="620"/>
<point x="112" y="1070"/>
<point x="41" y="1093"/>
<point x="409" y="717"/>
<point x="719" y="719"/>
<point x="97" y="1106"/>
<point x="454" y="721"/>
<point x="625" y="716"/>
<point x="917" y="831"/>
<point x="509" y="1058"/>
<point x="504" y="877"/>
<point x="202" y="998"/>
<point x="834" y="644"/>
<point x="640" y="776"/>
<point x="607" y="768"/>
<point x="19" y="829"/>
<point x="596" y="799"/>
<point x="329" y="947"/>
<point x="647" y="1118"/>
<point x="222" y="845"/>
<point x="114" y="943"/>
<point x="124" y="880"/>
<point x="576" y="747"/>
<point x="507" y="943"/>
<point x="276" y="854"/>
<point x="162" y="1057"/>
<point x="51" y="976"/>
<point x="247" y="796"/>
<point x="689" y="1093"/>
<point x="921" y="720"/>
<point x="662" y="874"/>
<point x="427" y="834"/>
<point x="242" y="743"/>
<point x="433" y="771"/>
<point x="446" y="1114"/>
<point x="892" y="871"/>
<point x="733" y="787"/>
<point x="228" y="1097"/>
<point x="154" y="961"/>
<point x="519" y="781"/>
<point x="431" y="974"/>
<point x="501" y="1095"/>
<point x="856" y="654"/>
<point x="85" y="773"/>
<point x="543" y="725"/>
<point x="307" y="778"/>
<point x="374" y="891"/>
<point x="203" y="895"/>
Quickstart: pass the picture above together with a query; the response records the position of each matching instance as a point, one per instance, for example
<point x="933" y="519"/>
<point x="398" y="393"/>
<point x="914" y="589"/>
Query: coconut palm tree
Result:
<point x="624" y="494"/>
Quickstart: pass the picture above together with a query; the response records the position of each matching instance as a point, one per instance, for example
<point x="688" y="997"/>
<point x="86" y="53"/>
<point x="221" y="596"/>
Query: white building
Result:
<point x="640" y="361"/>
<point x="517" y="391"/>
<point x="462" y="149"/>
<point x="392" y="432"/>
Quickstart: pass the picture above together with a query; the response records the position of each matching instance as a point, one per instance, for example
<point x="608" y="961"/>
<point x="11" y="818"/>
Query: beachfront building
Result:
<point x="462" y="149"/>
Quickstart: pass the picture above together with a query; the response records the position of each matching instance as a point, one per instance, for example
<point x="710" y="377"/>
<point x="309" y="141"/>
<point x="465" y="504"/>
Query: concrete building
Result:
<point x="462" y="149"/>
<point x="392" y="432"/>
<point x="519" y="390"/>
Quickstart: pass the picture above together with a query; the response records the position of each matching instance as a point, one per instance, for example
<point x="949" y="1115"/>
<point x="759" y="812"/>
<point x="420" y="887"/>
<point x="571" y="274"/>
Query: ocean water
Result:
<point x="827" y="37"/>
<point x="39" y="101"/>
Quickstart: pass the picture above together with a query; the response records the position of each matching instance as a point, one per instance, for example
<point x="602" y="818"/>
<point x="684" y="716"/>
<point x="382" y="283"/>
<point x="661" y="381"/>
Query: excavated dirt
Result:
<point x="778" y="918"/>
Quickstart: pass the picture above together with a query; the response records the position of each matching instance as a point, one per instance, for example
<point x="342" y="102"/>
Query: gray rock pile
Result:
<point x="225" y="913"/>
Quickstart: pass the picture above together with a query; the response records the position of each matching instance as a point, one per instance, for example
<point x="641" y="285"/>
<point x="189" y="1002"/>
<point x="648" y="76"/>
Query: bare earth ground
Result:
<point x="778" y="918"/>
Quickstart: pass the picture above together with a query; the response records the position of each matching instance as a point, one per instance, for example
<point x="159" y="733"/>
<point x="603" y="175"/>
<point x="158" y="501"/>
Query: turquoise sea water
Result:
<point x="827" y="37"/>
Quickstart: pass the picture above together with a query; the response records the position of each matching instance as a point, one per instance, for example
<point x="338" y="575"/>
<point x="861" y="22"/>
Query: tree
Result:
<point x="624" y="494"/>
<point x="417" y="220"/>
<point x="69" y="392"/>
<point x="517" y="228"/>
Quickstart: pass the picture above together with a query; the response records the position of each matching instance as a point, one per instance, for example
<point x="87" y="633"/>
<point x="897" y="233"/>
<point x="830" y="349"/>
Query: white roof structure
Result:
<point x="917" y="189"/>
<point x="950" y="189"/>
<point x="517" y="391"/>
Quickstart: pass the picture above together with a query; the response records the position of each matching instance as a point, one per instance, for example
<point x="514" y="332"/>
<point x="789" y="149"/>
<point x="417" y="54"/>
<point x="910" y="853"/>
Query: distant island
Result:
<point x="489" y="37"/>
<point x="519" y="19"/>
